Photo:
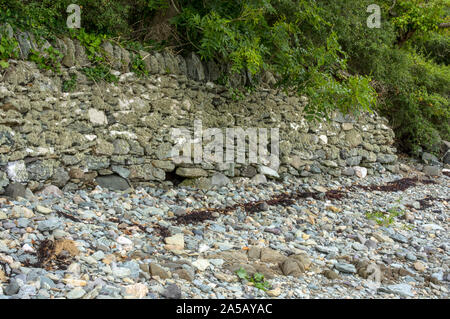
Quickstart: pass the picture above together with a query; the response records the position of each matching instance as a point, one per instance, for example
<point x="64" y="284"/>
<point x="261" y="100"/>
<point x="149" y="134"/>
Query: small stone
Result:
<point x="361" y="172"/>
<point x="76" y="293"/>
<point x="75" y="282"/>
<point x="259" y="179"/>
<point x="156" y="270"/>
<point x="185" y="274"/>
<point x="137" y="291"/>
<point x="334" y="209"/>
<point x="97" y="117"/>
<point x="176" y="242"/>
<point x="49" y="224"/>
<point x="275" y="230"/>
<point x="19" y="211"/>
<point x="359" y="247"/>
<point x="430" y="159"/>
<point x="400" y="238"/>
<point x="124" y="241"/>
<point x="345" y="268"/>
<point x="172" y="291"/>
<point x="419" y="266"/>
<point x="43" y="210"/>
<point x="320" y="189"/>
<point x="263" y="206"/>
<point x="179" y="212"/>
<point x="219" y="180"/>
<point x="331" y="274"/>
<point x="432" y="170"/>
<point x="201" y="264"/>
<point x="12" y="289"/>
<point x="274" y="292"/>
<point x="15" y="190"/>
<point x="51" y="190"/>
<point x="264" y="170"/>
<point x="371" y="244"/>
<point x="404" y="290"/>
<point x="271" y="256"/>
<point x="191" y="172"/>
<point x="411" y="257"/>
<point x="348" y="171"/>
<point x="121" y="272"/>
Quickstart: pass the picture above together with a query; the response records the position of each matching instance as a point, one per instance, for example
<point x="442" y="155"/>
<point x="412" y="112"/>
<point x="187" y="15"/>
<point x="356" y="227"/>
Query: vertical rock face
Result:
<point x="195" y="68"/>
<point x="94" y="132"/>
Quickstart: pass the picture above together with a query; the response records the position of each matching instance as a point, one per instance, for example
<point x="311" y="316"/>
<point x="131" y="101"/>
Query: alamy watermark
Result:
<point x="374" y="20"/>
<point x="74" y="19"/>
<point x="230" y="147"/>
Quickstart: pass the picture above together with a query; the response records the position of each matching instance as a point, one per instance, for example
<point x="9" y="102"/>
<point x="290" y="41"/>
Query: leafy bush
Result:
<point x="8" y="50"/>
<point x="385" y="218"/>
<point x="48" y="59"/>
<point x="257" y="279"/>
<point x="436" y="46"/>
<point x="99" y="73"/>
<point x="291" y="38"/>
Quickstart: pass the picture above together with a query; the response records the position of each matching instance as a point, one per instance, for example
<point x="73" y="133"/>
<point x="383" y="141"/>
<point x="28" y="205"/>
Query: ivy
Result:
<point x="9" y="49"/>
<point x="48" y="59"/>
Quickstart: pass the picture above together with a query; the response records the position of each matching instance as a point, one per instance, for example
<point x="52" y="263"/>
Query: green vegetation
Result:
<point x="8" y="50"/>
<point x="384" y="218"/>
<point x="70" y="85"/>
<point x="99" y="73"/>
<point x="322" y="49"/>
<point x="138" y="66"/>
<point x="257" y="279"/>
<point x="48" y="59"/>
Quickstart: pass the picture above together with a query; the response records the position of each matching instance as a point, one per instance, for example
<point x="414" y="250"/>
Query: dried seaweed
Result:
<point x="55" y="255"/>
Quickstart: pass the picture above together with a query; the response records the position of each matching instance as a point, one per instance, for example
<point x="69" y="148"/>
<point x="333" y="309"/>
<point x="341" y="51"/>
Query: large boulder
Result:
<point x="113" y="182"/>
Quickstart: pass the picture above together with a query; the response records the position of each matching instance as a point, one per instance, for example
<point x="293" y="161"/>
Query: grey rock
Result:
<point x="371" y="244"/>
<point x="403" y="290"/>
<point x="432" y="170"/>
<point x="113" y="182"/>
<point x="15" y="190"/>
<point x="76" y="293"/>
<point x="49" y="224"/>
<point x="195" y="68"/>
<point x="259" y="179"/>
<point x="353" y="161"/>
<point x="345" y="268"/>
<point x="399" y="237"/>
<point x="268" y="171"/>
<point x="26" y="44"/>
<point x="12" y="288"/>
<point x="39" y="171"/>
<point x="348" y="171"/>
<point x="191" y="172"/>
<point x="60" y="177"/>
<point x="121" y="171"/>
<point x="219" y="180"/>
<point x="430" y="159"/>
<point x="327" y="249"/>
<point x="386" y="158"/>
<point x="172" y="291"/>
<point x="446" y="158"/>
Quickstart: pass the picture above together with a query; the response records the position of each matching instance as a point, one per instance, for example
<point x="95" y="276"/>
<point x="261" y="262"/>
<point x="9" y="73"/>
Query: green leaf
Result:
<point x="258" y="277"/>
<point x="241" y="273"/>
<point x="4" y="64"/>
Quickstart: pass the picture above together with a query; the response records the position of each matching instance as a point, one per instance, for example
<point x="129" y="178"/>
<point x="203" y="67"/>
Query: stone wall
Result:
<point x="111" y="133"/>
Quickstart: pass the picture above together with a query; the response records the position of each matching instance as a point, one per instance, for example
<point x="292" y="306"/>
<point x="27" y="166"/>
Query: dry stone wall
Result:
<point x="119" y="134"/>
